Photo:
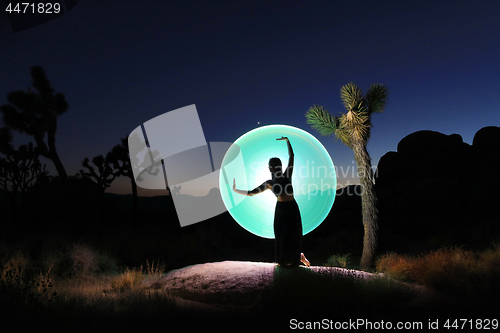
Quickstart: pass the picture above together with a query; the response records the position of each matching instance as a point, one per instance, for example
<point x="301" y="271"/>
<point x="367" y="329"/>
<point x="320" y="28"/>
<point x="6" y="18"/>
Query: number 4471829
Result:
<point x="484" y="324"/>
<point x="27" y="7"/>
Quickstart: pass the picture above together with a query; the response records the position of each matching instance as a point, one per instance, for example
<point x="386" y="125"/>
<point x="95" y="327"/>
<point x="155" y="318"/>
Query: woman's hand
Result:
<point x="282" y="138"/>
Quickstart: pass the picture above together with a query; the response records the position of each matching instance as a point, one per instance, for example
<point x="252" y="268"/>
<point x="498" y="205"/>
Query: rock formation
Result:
<point x="437" y="186"/>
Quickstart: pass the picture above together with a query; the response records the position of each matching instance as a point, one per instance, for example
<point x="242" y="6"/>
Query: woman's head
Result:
<point x="275" y="165"/>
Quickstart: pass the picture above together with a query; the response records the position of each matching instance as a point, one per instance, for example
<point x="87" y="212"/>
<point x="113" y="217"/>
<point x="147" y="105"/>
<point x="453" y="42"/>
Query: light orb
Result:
<point x="314" y="179"/>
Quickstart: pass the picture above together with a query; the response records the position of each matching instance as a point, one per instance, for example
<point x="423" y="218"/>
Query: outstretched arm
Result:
<point x="264" y="186"/>
<point x="289" y="168"/>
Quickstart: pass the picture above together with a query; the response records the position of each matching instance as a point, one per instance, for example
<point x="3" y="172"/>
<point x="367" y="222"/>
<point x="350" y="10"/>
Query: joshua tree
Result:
<point x="353" y="130"/>
<point x="35" y="113"/>
<point x="103" y="176"/>
<point x="119" y="157"/>
<point x="19" y="171"/>
<point x="5" y="140"/>
<point x="122" y="163"/>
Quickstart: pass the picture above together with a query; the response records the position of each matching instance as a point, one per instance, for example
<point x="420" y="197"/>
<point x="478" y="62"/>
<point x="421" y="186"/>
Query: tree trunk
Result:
<point x="55" y="157"/>
<point x="14" y="207"/>
<point x="135" y="221"/>
<point x="368" y="205"/>
<point x="101" y="208"/>
<point x="59" y="167"/>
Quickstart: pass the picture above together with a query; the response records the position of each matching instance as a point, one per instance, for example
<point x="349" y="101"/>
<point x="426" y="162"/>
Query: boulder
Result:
<point x="487" y="139"/>
<point x="418" y="144"/>
<point x="237" y="284"/>
<point x="486" y="143"/>
<point x="437" y="183"/>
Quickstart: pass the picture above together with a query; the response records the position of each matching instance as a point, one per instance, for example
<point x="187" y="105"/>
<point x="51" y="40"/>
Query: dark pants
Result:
<point x="288" y="233"/>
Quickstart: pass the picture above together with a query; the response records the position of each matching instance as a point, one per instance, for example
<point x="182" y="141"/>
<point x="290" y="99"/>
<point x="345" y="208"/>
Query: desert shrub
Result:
<point x="129" y="280"/>
<point x="343" y="261"/>
<point x="489" y="266"/>
<point x="23" y="287"/>
<point x="396" y="266"/>
<point x="450" y="270"/>
<point x="490" y="259"/>
<point x="18" y="262"/>
<point x="83" y="259"/>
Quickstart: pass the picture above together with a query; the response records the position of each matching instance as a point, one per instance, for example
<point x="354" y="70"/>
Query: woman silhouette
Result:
<point x="287" y="220"/>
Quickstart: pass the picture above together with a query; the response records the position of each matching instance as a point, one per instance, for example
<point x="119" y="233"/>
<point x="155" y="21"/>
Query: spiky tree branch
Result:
<point x="326" y="124"/>
<point x="104" y="175"/>
<point x="351" y="97"/>
<point x="35" y="113"/>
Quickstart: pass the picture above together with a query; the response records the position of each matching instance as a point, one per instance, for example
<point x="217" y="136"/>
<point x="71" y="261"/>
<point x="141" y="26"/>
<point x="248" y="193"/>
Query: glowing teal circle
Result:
<point x="314" y="179"/>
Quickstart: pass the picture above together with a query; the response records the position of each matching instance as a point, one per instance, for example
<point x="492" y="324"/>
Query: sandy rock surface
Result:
<point x="234" y="284"/>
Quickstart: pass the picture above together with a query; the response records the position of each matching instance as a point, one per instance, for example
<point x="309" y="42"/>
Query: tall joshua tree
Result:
<point x="353" y="130"/>
<point x="119" y="158"/>
<point x="35" y="113"/>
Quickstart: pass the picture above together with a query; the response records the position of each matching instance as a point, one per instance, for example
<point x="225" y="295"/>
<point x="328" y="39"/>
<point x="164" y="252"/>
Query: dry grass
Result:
<point x="142" y="277"/>
<point x="19" y="262"/>
<point x="451" y="270"/>
<point x="154" y="273"/>
<point x="21" y="284"/>
<point x="397" y="266"/>
<point x="80" y="282"/>
<point x="27" y="290"/>
<point x="129" y="280"/>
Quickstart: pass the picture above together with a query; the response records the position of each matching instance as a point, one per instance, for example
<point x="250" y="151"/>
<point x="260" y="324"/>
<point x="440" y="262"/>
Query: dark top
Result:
<point x="281" y="185"/>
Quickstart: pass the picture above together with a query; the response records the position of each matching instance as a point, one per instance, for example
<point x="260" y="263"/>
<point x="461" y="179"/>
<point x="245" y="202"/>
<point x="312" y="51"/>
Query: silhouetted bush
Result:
<point x="22" y="287"/>
<point x="83" y="259"/>
<point x="343" y="261"/>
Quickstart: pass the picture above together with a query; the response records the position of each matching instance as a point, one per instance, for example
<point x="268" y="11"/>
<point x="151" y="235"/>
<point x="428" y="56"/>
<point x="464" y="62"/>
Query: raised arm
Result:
<point x="289" y="168"/>
<point x="264" y="186"/>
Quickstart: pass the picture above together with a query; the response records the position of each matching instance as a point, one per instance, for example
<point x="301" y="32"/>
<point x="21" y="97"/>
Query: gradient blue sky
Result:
<point x="120" y="63"/>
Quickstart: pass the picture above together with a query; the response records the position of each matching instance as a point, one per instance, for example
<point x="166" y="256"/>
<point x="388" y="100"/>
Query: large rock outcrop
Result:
<point x="238" y="286"/>
<point x="438" y="186"/>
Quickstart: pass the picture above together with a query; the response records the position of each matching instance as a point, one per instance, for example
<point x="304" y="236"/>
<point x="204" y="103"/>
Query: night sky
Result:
<point x="121" y="63"/>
